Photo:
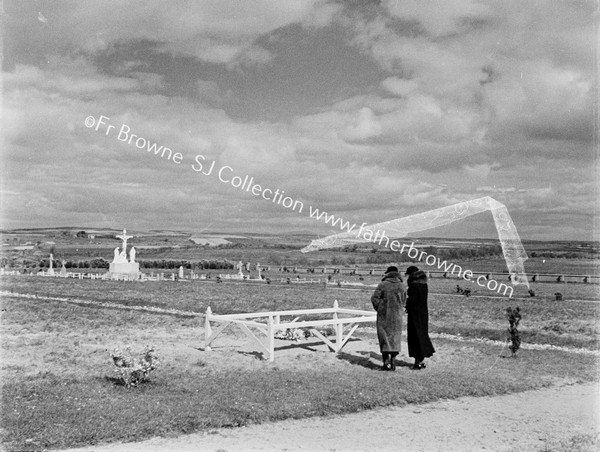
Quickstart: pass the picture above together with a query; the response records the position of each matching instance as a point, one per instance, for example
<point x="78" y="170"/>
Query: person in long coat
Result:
<point x="389" y="300"/>
<point x="417" y="325"/>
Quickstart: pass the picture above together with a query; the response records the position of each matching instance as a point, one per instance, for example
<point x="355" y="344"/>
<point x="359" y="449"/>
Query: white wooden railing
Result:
<point x="268" y="323"/>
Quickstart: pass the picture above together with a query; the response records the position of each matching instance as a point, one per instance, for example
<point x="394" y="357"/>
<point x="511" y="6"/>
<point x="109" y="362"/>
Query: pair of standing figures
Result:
<point x="390" y="300"/>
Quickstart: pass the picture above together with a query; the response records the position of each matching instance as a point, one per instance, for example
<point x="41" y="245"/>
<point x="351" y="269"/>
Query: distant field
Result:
<point x="282" y="249"/>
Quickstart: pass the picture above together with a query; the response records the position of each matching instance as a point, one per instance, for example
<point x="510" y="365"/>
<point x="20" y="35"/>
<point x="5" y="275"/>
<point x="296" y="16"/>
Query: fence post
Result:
<point x="271" y="339"/>
<point x="338" y="327"/>
<point x="207" y="329"/>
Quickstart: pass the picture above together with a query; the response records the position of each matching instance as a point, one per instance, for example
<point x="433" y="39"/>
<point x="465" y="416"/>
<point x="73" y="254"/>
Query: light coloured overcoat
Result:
<point x="389" y="300"/>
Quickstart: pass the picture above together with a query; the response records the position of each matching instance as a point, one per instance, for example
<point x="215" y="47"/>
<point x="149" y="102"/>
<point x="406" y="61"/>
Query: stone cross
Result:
<point x="124" y="237"/>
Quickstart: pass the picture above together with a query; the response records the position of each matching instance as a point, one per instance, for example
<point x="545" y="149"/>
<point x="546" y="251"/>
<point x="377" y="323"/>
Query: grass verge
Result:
<point x="59" y="411"/>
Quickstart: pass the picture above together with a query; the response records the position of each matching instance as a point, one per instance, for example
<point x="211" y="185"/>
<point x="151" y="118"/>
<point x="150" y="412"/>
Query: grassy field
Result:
<point x="59" y="389"/>
<point x="570" y="322"/>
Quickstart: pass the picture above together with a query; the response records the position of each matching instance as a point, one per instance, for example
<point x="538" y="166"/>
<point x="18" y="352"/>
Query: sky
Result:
<point x="369" y="111"/>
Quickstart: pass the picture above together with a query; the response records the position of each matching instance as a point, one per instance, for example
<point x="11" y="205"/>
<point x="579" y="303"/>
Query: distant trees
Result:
<point x="381" y="255"/>
<point x="174" y="264"/>
<point x="336" y="260"/>
<point x="378" y="259"/>
<point x="566" y="255"/>
<point x="302" y="260"/>
<point x="465" y="253"/>
<point x="94" y="263"/>
<point x="275" y="259"/>
<point x="157" y="264"/>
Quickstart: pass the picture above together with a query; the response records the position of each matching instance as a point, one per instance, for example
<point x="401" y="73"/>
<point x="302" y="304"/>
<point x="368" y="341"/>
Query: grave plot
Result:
<point x="267" y="324"/>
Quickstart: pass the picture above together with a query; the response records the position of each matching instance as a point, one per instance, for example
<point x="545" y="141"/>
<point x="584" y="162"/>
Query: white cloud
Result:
<point x="399" y="87"/>
<point x="441" y="17"/>
<point x="542" y="100"/>
<point x="476" y="101"/>
<point x="322" y="14"/>
<point x="218" y="31"/>
<point x="500" y="72"/>
<point x="363" y="125"/>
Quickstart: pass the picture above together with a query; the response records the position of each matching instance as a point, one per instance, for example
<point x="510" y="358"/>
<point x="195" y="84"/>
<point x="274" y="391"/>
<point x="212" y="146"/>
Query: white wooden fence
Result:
<point x="267" y="323"/>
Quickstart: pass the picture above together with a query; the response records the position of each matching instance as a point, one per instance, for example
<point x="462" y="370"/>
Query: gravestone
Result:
<point x="50" y="271"/>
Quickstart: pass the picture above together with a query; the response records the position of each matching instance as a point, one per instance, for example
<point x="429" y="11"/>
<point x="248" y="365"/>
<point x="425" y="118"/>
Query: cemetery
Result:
<point x="306" y="325"/>
<point x="305" y="226"/>
<point x="124" y="267"/>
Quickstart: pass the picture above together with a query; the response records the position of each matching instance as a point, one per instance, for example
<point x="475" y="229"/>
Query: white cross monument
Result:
<point x="120" y="266"/>
<point x="124" y="237"/>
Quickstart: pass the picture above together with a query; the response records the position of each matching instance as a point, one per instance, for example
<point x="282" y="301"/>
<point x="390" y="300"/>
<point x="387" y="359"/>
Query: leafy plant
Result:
<point x="514" y="317"/>
<point x="132" y="371"/>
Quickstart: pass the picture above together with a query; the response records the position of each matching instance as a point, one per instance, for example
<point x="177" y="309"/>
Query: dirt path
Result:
<point x="531" y="420"/>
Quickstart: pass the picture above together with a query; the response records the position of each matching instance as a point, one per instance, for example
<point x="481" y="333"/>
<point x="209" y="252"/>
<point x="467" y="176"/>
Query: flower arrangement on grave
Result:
<point x="290" y="334"/>
<point x="514" y="317"/>
<point x="131" y="370"/>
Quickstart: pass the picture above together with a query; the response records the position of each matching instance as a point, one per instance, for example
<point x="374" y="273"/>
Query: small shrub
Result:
<point x="132" y="371"/>
<point x="514" y="317"/>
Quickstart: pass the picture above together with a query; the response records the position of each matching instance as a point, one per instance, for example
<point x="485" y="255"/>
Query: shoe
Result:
<point x="422" y="366"/>
<point x="392" y="364"/>
<point x="385" y="358"/>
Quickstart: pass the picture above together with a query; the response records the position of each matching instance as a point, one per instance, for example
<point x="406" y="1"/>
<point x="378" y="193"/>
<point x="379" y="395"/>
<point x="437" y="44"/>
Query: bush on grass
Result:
<point x="130" y="370"/>
<point x="514" y="317"/>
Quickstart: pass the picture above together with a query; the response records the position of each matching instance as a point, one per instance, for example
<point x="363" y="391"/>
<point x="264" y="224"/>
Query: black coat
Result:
<point x="389" y="300"/>
<point x="417" y="327"/>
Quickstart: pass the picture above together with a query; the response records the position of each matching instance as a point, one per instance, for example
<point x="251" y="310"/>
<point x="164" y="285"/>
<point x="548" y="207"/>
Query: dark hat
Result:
<point x="393" y="268"/>
<point x="411" y="270"/>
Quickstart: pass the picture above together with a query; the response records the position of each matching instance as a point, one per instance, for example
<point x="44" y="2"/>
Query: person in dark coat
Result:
<point x="389" y="301"/>
<point x="417" y="325"/>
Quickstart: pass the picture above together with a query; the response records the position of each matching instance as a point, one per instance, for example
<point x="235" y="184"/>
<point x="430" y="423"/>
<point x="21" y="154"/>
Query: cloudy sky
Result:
<point x="367" y="110"/>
